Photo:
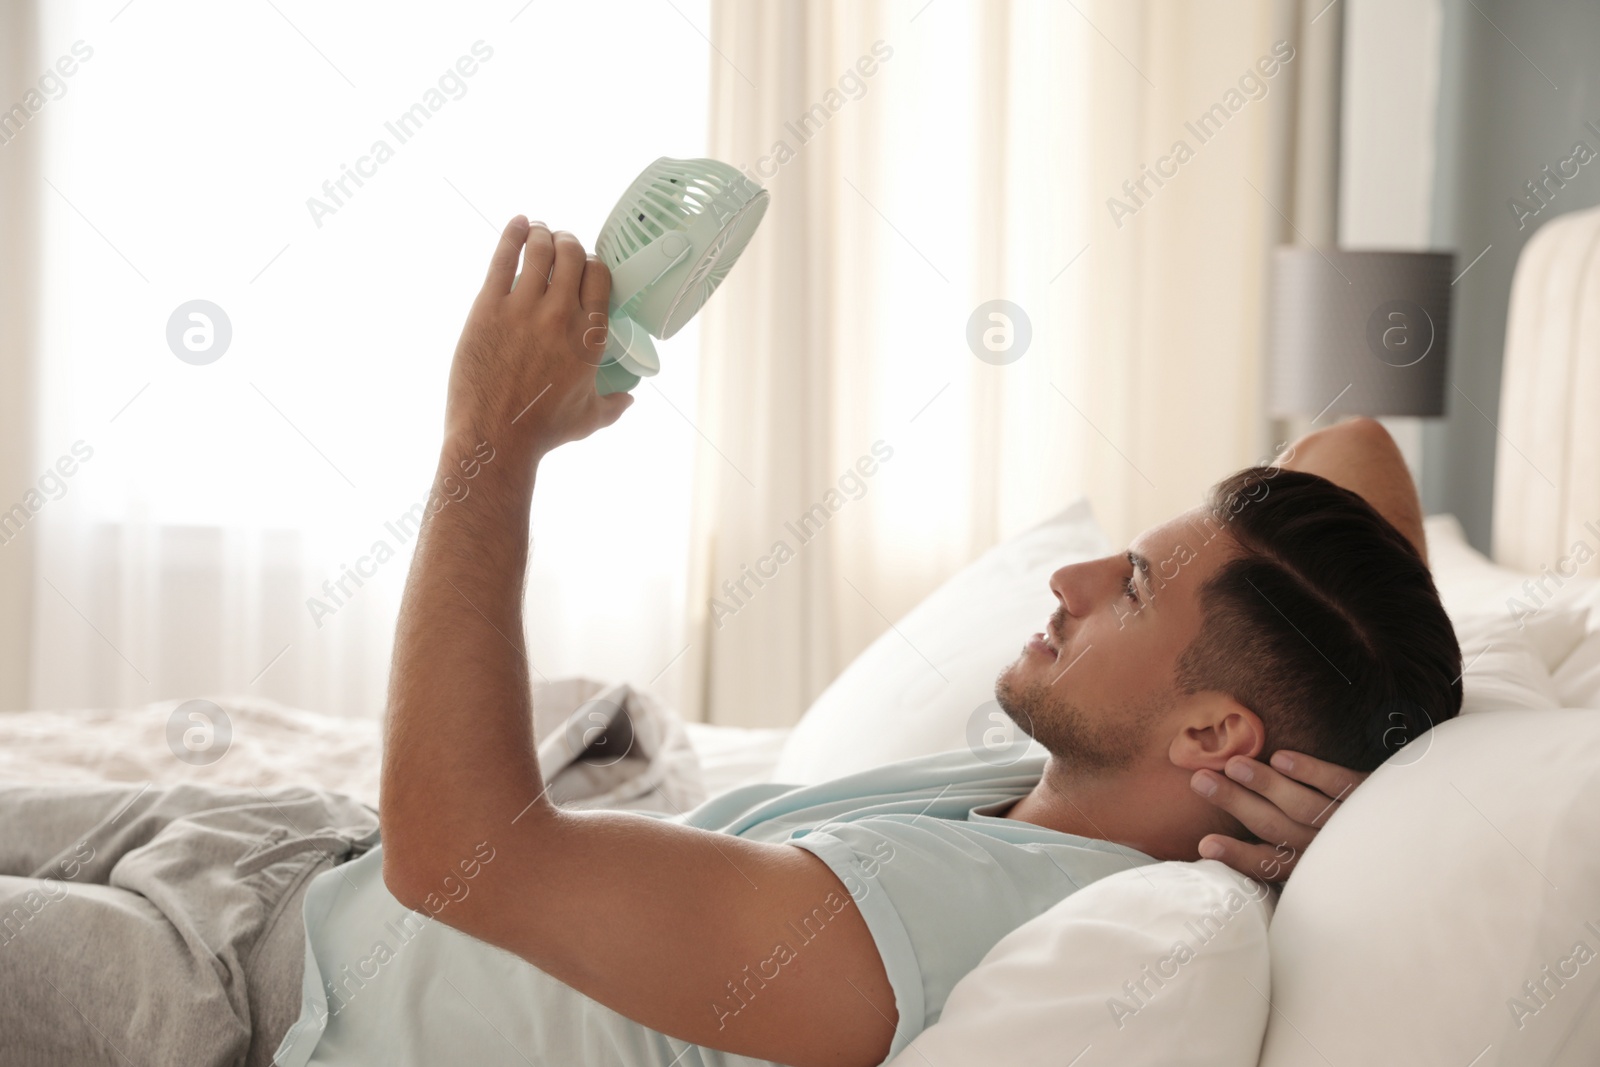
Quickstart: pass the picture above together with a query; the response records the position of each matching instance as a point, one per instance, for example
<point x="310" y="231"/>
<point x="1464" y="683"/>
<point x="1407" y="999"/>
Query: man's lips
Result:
<point x="1048" y="640"/>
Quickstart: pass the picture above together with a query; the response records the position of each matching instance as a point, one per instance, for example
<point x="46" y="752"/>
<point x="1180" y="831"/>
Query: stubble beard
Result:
<point x="1083" y="742"/>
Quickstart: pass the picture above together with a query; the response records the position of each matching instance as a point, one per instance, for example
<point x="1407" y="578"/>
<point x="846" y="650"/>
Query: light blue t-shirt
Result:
<point x="938" y="877"/>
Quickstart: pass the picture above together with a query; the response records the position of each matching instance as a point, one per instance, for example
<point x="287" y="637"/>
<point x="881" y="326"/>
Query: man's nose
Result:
<point x="1078" y="586"/>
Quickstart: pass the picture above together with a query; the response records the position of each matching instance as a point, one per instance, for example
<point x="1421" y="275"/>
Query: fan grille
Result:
<point x="713" y="266"/>
<point x="663" y="198"/>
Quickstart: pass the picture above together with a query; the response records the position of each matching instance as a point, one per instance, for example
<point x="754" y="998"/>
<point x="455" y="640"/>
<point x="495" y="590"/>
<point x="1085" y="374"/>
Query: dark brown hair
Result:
<point x="1326" y="623"/>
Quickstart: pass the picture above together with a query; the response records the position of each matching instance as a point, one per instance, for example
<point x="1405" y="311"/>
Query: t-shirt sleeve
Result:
<point x="937" y="894"/>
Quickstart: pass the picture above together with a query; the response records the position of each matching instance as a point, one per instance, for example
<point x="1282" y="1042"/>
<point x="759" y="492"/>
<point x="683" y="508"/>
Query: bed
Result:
<point x="274" y="744"/>
<point x="1448" y="915"/>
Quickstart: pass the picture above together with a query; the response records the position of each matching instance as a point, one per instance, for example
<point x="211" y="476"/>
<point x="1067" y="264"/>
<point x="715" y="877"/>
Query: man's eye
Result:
<point x="1130" y="589"/>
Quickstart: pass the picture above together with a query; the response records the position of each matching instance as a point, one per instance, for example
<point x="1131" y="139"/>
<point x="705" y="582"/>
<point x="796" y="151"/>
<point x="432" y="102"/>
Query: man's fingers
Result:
<point x="537" y="259"/>
<point x="1301" y="803"/>
<point x="1330" y="779"/>
<point x="1264" y="863"/>
<point x="1283" y="806"/>
<point x="594" y="293"/>
<point x="567" y="271"/>
<point x="503" y="264"/>
<point x="1260" y="816"/>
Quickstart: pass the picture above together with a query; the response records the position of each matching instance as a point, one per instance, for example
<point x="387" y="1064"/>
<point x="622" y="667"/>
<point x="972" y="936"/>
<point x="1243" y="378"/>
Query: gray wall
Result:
<point x="1500" y="122"/>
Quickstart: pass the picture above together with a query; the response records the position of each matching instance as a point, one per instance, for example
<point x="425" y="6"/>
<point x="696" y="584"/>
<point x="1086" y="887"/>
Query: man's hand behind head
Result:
<point x="1284" y="805"/>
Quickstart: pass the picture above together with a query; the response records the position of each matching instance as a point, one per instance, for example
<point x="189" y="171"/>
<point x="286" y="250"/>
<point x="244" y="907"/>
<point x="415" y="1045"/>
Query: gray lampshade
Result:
<point x="1370" y="328"/>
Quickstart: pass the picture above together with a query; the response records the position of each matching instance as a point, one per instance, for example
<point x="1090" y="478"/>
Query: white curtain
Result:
<point x="19" y="279"/>
<point x="241" y="526"/>
<point x="924" y="159"/>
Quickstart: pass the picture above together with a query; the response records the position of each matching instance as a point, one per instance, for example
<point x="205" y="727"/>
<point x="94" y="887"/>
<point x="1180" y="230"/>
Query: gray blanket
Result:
<point x="146" y="924"/>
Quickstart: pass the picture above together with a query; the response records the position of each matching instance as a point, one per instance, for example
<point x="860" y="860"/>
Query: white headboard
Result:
<point x="1547" y="466"/>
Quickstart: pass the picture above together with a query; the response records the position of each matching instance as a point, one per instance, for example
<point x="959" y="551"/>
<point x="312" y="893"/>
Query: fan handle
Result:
<point x="630" y="353"/>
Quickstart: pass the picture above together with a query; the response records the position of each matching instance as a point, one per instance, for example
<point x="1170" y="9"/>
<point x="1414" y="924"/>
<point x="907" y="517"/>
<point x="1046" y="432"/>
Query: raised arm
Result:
<point x="1359" y="455"/>
<point x="658" y="921"/>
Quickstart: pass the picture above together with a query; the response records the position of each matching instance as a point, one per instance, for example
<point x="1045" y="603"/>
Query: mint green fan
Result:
<point x="669" y="242"/>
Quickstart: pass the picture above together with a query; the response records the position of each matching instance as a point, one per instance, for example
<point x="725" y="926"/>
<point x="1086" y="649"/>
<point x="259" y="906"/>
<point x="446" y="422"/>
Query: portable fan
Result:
<point x="669" y="242"/>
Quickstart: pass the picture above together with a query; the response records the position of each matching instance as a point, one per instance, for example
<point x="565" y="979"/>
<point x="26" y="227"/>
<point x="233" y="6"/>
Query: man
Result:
<point x="1132" y="722"/>
<point x="824" y="924"/>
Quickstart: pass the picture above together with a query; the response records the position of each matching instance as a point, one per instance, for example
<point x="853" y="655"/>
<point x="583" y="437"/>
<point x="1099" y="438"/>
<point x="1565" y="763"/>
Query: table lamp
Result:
<point x="1366" y="331"/>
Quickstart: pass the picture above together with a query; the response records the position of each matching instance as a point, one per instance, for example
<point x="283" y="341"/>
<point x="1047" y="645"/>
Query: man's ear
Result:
<point x="1214" y="728"/>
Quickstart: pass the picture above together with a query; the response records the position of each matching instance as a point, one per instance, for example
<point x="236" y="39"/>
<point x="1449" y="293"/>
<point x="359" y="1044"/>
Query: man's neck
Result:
<point x="1123" y="807"/>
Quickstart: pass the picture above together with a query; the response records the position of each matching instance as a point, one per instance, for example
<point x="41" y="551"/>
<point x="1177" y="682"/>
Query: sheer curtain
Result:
<point x="19" y="276"/>
<point x="330" y="180"/>
<point x="926" y="159"/>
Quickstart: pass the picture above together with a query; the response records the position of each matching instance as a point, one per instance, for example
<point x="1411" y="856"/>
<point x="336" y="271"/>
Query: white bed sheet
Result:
<point x="273" y="745"/>
<point x="735" y="755"/>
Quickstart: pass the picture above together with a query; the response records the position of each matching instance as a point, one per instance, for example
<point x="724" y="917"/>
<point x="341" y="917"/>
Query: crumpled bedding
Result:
<point x="600" y="745"/>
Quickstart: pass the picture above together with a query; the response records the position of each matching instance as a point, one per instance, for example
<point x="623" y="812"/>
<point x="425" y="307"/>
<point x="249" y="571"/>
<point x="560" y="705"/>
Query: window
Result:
<point x="332" y="178"/>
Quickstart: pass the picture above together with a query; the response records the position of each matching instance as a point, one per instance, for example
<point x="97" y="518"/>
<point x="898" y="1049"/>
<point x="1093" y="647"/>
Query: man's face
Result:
<point x="1097" y="686"/>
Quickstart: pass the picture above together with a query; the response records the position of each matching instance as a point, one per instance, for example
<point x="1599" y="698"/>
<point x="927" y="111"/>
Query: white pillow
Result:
<point x="1577" y="676"/>
<point x="891" y="703"/>
<point x="1467" y="579"/>
<point x="1503" y="669"/>
<point x="1439" y="888"/>
<point x="1553" y="620"/>
<point x="1522" y="649"/>
<point x="1160" y="965"/>
<point x="1577" y="679"/>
